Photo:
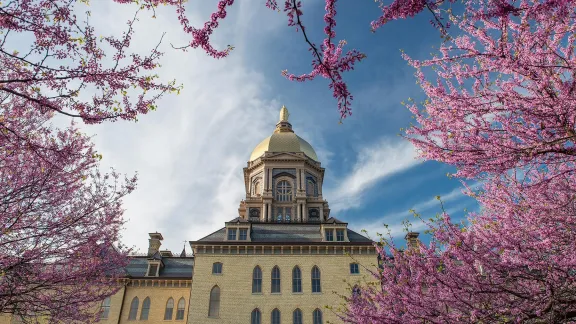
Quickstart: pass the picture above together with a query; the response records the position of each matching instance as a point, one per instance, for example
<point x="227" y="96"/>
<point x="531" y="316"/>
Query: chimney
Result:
<point x="154" y="243"/>
<point x="412" y="240"/>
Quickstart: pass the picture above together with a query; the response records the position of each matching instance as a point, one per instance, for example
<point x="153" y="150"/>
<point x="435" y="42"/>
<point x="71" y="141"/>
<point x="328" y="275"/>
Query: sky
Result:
<point x="189" y="154"/>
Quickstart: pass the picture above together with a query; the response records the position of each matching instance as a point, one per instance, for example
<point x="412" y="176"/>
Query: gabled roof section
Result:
<point x="333" y="220"/>
<point x="238" y="220"/>
<point x="284" y="233"/>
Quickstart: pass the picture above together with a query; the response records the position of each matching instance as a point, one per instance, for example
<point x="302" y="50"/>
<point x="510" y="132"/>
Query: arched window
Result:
<point x="257" y="280"/>
<point x="316" y="280"/>
<point x="275" y="316"/>
<point x="214" y="308"/>
<point x="257" y="189"/>
<point x="275" y="279"/>
<point x="310" y="188"/>
<point x="297" y="316"/>
<point x="283" y="191"/>
<point x="256" y="317"/>
<point x="296" y="280"/>
<point x="180" y="309"/>
<point x="169" y="309"/>
<point x="133" y="309"/>
<point x="105" y="308"/>
<point x="145" y="309"/>
<point x="317" y="316"/>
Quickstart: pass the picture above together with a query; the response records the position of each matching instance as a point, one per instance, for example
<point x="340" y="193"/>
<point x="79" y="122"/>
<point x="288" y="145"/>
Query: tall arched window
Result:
<point x="133" y="309"/>
<point x="257" y="189"/>
<point x="296" y="280"/>
<point x="180" y="309"/>
<point x="275" y="279"/>
<point x="105" y="308"/>
<point x="316" y="288"/>
<point x="145" y="309"/>
<point x="169" y="309"/>
<point x="317" y="316"/>
<point x="283" y="191"/>
<point x="256" y="317"/>
<point x="214" y="308"/>
<point x="297" y="316"/>
<point x="310" y="188"/>
<point x="257" y="280"/>
<point x="275" y="316"/>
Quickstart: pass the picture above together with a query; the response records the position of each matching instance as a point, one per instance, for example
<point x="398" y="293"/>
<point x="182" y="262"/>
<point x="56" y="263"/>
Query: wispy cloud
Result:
<point x="452" y="202"/>
<point x="189" y="154"/>
<point x="374" y="163"/>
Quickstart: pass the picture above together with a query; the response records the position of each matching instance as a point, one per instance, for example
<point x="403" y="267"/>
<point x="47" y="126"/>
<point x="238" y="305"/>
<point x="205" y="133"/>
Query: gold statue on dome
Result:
<point x="284" y="114"/>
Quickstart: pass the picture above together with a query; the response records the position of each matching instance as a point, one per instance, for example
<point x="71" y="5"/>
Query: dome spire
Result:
<point x="283" y="125"/>
<point x="284" y="114"/>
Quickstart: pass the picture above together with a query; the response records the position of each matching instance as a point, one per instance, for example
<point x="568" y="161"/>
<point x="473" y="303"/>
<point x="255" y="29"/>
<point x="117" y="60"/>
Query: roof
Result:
<point x="174" y="267"/>
<point x="285" y="233"/>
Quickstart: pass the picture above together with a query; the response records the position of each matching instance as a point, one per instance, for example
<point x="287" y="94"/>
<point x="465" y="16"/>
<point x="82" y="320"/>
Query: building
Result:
<point x="282" y="259"/>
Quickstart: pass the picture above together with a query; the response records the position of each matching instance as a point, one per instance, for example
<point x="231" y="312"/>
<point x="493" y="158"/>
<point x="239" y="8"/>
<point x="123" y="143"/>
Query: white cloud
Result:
<point x="374" y="163"/>
<point x="189" y="154"/>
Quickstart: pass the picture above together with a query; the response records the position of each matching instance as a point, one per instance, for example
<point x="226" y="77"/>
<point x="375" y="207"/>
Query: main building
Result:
<point x="283" y="259"/>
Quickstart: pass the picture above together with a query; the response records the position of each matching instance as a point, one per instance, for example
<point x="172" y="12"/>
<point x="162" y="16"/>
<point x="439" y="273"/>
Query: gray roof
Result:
<point x="285" y="233"/>
<point x="173" y="267"/>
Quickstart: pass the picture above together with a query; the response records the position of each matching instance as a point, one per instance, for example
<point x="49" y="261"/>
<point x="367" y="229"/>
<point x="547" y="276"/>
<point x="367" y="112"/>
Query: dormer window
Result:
<point x="231" y="234"/>
<point x="329" y="235"/>
<point x="153" y="268"/>
<point x="340" y="235"/>
<point x="243" y="234"/>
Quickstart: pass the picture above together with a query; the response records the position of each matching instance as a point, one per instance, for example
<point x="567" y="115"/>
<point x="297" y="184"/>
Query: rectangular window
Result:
<point x="152" y="270"/>
<point x="217" y="268"/>
<point x="231" y="234"/>
<point x="243" y="234"/>
<point x="340" y="235"/>
<point x="354" y="268"/>
<point x="329" y="235"/>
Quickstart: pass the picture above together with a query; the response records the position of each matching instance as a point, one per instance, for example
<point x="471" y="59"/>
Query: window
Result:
<point x="317" y="316"/>
<point x="296" y="280"/>
<point x="310" y="188"/>
<point x="275" y="280"/>
<point x="145" y="309"/>
<point x="283" y="191"/>
<point x="169" y="309"/>
<point x="356" y="291"/>
<point x="354" y="268"/>
<point x="180" y="310"/>
<point x="214" y="308"/>
<point x="316" y="280"/>
<point x="231" y="234"/>
<point x="275" y="316"/>
<point x="105" y="308"/>
<point x="329" y="235"/>
<point x="256" y="317"/>
<point x="243" y="234"/>
<point x="133" y="309"/>
<point x="340" y="235"/>
<point x="288" y="216"/>
<point x="297" y="316"/>
<point x="257" y="280"/>
<point x="257" y="190"/>
<point x="217" y="268"/>
<point x="152" y="270"/>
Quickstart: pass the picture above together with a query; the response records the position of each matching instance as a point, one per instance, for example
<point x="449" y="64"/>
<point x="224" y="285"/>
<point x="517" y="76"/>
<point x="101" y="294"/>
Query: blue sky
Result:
<point x="190" y="153"/>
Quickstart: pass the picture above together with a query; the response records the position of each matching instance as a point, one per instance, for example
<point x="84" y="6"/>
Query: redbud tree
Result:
<point x="501" y="109"/>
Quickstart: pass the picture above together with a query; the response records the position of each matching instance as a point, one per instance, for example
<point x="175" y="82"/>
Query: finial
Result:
<point x="284" y="114"/>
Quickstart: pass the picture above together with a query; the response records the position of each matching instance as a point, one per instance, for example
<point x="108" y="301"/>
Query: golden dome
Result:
<point x="283" y="140"/>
